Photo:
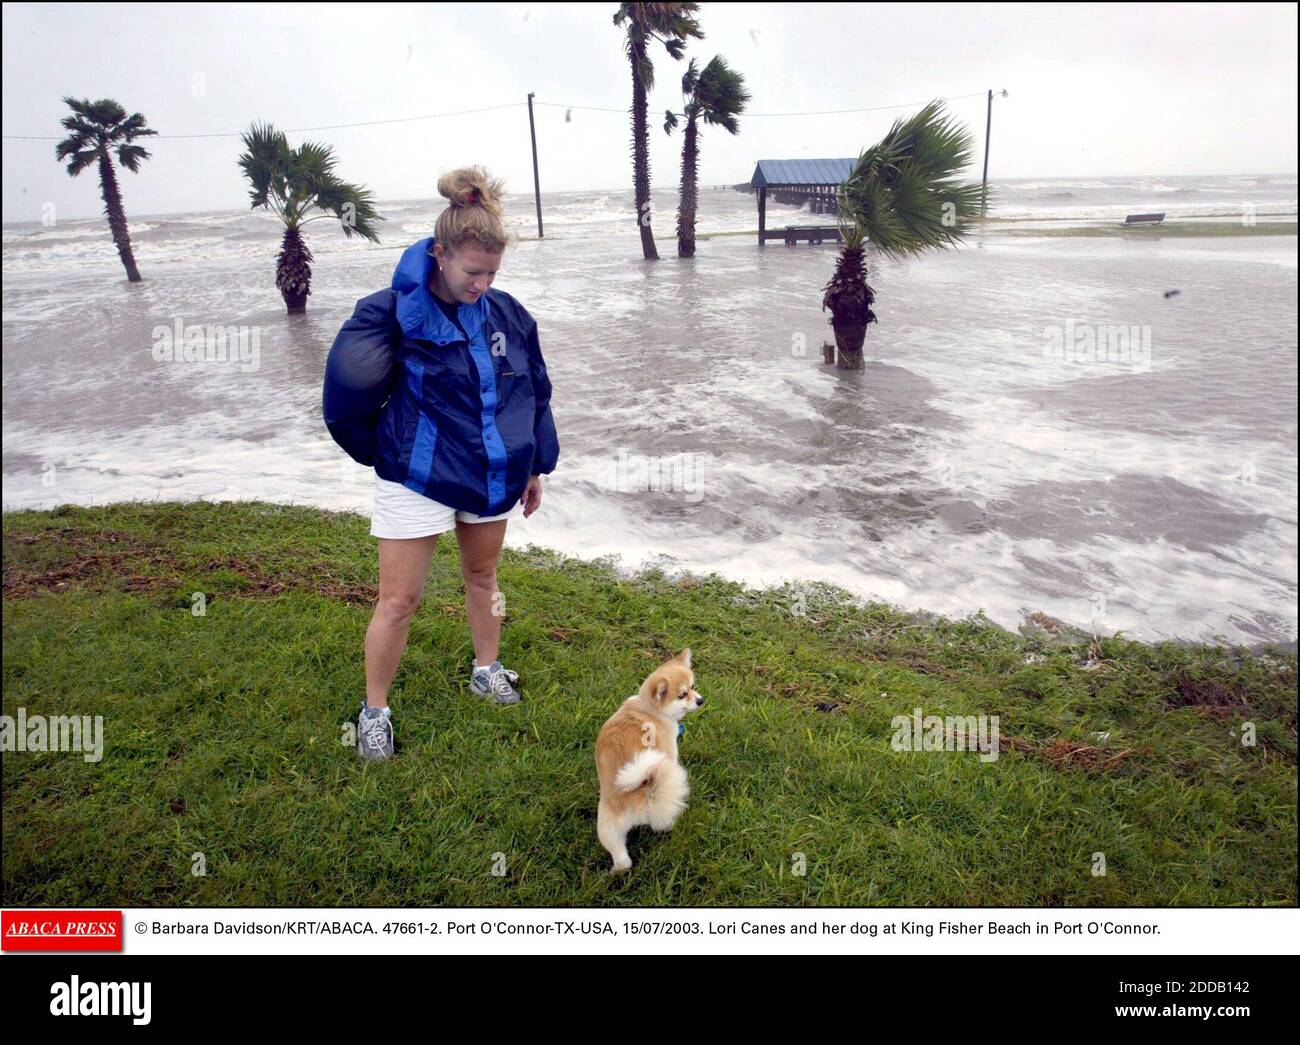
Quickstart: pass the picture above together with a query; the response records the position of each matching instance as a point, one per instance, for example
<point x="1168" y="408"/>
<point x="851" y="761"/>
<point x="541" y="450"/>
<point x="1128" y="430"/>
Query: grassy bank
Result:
<point x="223" y="737"/>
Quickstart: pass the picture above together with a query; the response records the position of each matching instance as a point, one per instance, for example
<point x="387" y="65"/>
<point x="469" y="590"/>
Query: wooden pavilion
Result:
<point x="794" y="181"/>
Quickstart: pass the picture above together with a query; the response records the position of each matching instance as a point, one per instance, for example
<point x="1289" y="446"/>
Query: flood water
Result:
<point x="985" y="459"/>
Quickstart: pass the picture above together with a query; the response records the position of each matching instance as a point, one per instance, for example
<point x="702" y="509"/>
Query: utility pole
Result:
<point x="988" y="130"/>
<point x="537" y="191"/>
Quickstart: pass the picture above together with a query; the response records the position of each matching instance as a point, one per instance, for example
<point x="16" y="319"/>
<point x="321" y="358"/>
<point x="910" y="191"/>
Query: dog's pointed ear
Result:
<point x="655" y="688"/>
<point x="684" y="656"/>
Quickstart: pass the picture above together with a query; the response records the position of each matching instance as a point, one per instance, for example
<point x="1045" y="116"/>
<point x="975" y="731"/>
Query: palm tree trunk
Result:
<point x="850" y="297"/>
<point x="293" y="271"/>
<point x="116" y="217"/>
<point x="690" y="191"/>
<point x="641" y="155"/>
<point x="849" y="339"/>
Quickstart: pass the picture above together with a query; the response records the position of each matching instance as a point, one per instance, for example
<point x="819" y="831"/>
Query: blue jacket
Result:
<point x="463" y="422"/>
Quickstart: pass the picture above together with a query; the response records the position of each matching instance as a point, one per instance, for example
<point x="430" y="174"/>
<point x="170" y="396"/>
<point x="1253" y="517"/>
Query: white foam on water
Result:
<point x="952" y="474"/>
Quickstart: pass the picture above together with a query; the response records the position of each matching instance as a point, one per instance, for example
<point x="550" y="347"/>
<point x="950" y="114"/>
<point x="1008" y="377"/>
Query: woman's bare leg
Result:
<point x="403" y="568"/>
<point x="480" y="547"/>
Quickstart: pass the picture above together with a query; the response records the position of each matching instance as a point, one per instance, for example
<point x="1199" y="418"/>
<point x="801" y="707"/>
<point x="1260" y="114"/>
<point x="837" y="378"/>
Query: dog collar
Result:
<point x="681" y="729"/>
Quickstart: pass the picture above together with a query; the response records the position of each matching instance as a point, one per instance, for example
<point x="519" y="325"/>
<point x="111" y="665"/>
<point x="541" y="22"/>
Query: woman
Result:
<point x="439" y="383"/>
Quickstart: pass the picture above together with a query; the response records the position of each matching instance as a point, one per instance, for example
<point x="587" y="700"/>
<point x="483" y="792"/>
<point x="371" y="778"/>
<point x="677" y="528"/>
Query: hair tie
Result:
<point x="472" y="197"/>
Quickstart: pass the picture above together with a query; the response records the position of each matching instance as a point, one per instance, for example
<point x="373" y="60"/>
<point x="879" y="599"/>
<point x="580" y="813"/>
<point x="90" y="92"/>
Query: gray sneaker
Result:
<point x="495" y="681"/>
<point x="375" y="733"/>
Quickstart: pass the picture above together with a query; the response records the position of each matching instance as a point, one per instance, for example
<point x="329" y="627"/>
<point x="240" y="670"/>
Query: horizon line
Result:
<point x="703" y="184"/>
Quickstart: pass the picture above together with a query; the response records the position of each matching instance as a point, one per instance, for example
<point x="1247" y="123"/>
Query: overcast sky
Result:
<point x="1094" y="90"/>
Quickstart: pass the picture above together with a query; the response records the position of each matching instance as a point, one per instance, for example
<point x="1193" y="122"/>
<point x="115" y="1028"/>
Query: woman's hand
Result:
<point x="532" y="495"/>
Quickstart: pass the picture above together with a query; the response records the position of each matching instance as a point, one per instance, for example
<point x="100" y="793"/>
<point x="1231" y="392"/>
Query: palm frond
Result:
<point x="129" y="156"/>
<point x="135" y="127"/>
<point x="94" y="127"/>
<point x="671" y="24"/>
<point x="903" y="191"/>
<point x="722" y="94"/>
<point x="81" y="159"/>
<point x="352" y="205"/>
<point x="690" y="78"/>
<point x="718" y="94"/>
<point x="294" y="182"/>
<point x="265" y="164"/>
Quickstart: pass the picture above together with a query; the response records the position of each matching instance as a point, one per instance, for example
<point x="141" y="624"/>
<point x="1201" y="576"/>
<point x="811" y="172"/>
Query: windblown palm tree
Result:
<point x="717" y="95"/>
<point x="99" y="128"/>
<point x="903" y="197"/>
<point x="293" y="182"/>
<point x="671" y="24"/>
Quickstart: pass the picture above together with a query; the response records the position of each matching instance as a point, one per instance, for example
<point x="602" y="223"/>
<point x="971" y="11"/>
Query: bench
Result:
<point x="1145" y="219"/>
<point x="791" y="234"/>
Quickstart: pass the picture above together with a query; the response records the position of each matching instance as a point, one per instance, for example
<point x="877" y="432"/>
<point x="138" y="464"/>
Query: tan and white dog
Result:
<point x="641" y="781"/>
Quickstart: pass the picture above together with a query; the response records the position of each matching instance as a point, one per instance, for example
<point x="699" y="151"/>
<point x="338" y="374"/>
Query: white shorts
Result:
<point x="403" y="514"/>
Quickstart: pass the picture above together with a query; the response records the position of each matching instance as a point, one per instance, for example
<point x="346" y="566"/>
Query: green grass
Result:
<point x="223" y="737"/>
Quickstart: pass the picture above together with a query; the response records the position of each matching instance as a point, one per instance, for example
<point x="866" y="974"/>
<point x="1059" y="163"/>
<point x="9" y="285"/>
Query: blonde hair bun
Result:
<point x="475" y="213"/>
<point x="467" y="186"/>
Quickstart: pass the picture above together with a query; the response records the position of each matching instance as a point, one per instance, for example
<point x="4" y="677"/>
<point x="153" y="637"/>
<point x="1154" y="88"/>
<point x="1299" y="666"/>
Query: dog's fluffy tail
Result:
<point x="666" y="785"/>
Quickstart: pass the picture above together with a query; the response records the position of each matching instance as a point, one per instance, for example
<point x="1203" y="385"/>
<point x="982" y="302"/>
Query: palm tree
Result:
<point x="850" y="298"/>
<point x="718" y="96"/>
<point x="293" y="182"/>
<point x="903" y="197"/>
<point x="97" y="128"/>
<point x="671" y="24"/>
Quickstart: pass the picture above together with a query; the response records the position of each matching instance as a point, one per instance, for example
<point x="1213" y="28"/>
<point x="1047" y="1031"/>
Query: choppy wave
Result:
<point x="82" y="244"/>
<point x="963" y="470"/>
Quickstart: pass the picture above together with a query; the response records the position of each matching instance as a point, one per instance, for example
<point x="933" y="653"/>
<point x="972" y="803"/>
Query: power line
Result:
<point x="291" y="130"/>
<point x="491" y="108"/>
<point x="821" y="112"/>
